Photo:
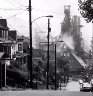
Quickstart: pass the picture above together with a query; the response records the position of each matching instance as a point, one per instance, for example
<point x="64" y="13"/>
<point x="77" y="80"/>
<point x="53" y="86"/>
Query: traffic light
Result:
<point x="49" y="29"/>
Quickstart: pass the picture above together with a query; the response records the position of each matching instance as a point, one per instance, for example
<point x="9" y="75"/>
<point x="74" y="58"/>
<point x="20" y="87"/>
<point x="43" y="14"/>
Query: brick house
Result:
<point x="6" y="50"/>
<point x="20" y="55"/>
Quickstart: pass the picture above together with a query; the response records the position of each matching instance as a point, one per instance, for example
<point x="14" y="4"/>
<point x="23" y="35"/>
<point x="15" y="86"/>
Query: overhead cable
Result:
<point x="16" y="14"/>
<point x="19" y="3"/>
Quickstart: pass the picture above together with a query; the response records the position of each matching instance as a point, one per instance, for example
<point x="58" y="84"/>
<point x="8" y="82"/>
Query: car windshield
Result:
<point x="85" y="82"/>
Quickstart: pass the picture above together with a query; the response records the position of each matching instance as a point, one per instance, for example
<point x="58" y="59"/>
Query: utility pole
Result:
<point x="55" y="66"/>
<point x="48" y="53"/>
<point x="30" y="33"/>
<point x="92" y="44"/>
<point x="0" y="75"/>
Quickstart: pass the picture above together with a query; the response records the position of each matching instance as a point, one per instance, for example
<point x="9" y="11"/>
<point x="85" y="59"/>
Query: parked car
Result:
<point x="91" y="82"/>
<point x="85" y="86"/>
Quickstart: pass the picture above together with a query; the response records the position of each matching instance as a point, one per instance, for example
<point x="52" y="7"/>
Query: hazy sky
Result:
<point x="20" y="22"/>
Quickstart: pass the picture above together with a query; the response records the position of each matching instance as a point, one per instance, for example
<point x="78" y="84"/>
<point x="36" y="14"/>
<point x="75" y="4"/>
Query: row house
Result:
<point x="21" y="56"/>
<point x="11" y="48"/>
<point x="18" y="48"/>
<point x="23" y="44"/>
<point x="6" y="47"/>
<point x="2" y="70"/>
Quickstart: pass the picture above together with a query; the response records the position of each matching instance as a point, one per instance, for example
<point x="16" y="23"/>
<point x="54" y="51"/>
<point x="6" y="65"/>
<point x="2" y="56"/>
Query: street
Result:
<point x="72" y="89"/>
<point x="73" y="86"/>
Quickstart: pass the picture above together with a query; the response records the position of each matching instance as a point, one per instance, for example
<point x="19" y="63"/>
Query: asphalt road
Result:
<point x="73" y="86"/>
<point x="72" y="89"/>
<point x="45" y="93"/>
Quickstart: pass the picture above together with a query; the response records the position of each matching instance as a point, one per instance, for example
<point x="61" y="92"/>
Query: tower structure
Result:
<point x="77" y="36"/>
<point x="66" y="25"/>
<point x="71" y="34"/>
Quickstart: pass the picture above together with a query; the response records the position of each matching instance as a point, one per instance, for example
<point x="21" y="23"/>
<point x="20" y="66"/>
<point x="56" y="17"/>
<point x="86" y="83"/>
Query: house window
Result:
<point x="2" y="33"/>
<point x="19" y="47"/>
<point x="6" y="34"/>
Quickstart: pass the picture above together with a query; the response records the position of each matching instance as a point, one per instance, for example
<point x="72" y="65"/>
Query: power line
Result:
<point x="22" y="26"/>
<point x="9" y="9"/>
<point x="20" y="3"/>
<point x="16" y="14"/>
<point x="32" y="8"/>
<point x="46" y="11"/>
<point x="52" y="12"/>
<point x="11" y="17"/>
<point x="40" y="29"/>
<point x="14" y="28"/>
<point x="13" y="4"/>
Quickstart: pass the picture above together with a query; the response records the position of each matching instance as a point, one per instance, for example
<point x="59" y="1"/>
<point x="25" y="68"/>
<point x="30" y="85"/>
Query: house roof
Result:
<point x="3" y="23"/>
<point x="78" y="59"/>
<point x="3" y="27"/>
<point x="23" y="38"/>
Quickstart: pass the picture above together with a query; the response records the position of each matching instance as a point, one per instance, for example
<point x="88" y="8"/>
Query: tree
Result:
<point x="15" y="64"/>
<point x="37" y="70"/>
<point x="86" y="9"/>
<point x="37" y="73"/>
<point x="17" y="73"/>
<point x="18" y="76"/>
<point x="63" y="68"/>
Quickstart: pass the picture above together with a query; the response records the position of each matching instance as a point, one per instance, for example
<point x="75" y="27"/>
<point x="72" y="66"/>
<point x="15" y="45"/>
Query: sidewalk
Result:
<point x="14" y="89"/>
<point x="72" y="86"/>
<point x="63" y="86"/>
<point x="9" y="88"/>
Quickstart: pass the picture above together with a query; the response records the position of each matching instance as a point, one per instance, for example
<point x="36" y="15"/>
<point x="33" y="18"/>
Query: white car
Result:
<point x="85" y="86"/>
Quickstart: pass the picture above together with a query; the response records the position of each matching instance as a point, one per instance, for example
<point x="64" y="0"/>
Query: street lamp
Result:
<point x="50" y="16"/>
<point x="92" y="37"/>
<point x="55" y="65"/>
<point x="48" y="62"/>
<point x="30" y="33"/>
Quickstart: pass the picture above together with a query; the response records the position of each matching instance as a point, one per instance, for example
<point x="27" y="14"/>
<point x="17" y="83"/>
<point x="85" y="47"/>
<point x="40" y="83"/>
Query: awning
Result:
<point x="5" y="40"/>
<point x="78" y="59"/>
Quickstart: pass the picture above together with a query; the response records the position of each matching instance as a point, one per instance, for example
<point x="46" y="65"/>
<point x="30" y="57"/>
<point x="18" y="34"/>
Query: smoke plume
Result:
<point x="68" y="40"/>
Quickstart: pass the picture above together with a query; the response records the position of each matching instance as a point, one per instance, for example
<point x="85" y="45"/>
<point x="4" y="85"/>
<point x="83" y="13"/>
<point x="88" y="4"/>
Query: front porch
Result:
<point x="22" y="58"/>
